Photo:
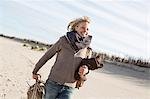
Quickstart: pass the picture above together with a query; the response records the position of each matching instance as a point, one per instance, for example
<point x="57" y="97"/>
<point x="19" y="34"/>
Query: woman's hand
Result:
<point x="35" y="76"/>
<point x="83" y="70"/>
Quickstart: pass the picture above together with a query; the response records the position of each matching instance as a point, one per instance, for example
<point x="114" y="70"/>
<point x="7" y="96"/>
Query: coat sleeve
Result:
<point x="92" y="63"/>
<point x="48" y="55"/>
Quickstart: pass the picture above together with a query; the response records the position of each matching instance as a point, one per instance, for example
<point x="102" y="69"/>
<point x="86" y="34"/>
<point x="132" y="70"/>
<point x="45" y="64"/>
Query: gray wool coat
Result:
<point x="66" y="62"/>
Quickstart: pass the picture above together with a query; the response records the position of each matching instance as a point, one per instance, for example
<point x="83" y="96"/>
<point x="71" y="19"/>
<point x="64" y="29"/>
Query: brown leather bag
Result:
<point x="36" y="91"/>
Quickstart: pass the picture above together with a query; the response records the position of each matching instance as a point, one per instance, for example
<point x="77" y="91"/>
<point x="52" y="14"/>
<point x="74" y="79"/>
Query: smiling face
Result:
<point x="82" y="29"/>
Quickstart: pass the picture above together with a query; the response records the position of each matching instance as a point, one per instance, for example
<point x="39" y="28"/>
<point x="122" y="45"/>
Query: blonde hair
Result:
<point x="71" y="26"/>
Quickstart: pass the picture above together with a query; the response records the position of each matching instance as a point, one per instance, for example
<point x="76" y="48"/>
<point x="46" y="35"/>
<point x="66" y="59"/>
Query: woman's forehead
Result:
<point x="83" y="24"/>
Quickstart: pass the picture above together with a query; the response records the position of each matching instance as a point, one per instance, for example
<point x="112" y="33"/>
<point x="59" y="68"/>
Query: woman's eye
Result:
<point x="85" y="28"/>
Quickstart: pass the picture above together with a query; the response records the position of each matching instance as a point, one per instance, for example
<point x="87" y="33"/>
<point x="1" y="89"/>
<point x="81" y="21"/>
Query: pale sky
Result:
<point x="118" y="27"/>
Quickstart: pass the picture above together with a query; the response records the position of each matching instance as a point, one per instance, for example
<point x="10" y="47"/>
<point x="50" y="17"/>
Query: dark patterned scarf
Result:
<point x="78" y="42"/>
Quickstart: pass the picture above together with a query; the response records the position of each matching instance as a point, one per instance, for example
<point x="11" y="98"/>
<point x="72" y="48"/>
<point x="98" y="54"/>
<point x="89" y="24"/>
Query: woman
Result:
<point x="70" y="50"/>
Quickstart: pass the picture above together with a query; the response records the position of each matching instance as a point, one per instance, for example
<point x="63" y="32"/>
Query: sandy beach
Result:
<point x="110" y="82"/>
